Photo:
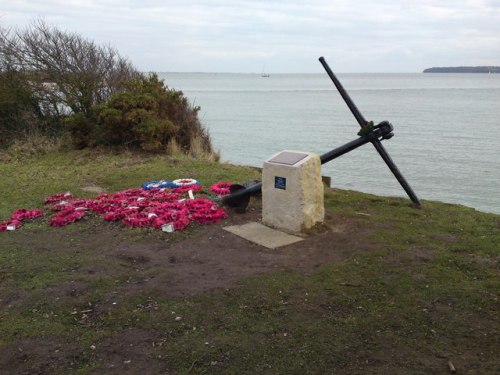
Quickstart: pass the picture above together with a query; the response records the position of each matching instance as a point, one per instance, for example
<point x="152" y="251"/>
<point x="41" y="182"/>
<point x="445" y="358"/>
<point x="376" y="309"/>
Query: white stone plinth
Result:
<point x="292" y="191"/>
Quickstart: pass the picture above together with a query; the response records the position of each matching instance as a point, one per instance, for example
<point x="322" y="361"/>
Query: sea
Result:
<point x="446" y="127"/>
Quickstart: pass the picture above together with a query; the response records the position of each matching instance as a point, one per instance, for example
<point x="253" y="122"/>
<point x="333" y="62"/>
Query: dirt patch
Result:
<point x="413" y="255"/>
<point x="128" y="352"/>
<point x="38" y="356"/>
<point x="213" y="258"/>
<point x="136" y="270"/>
<point x="209" y="258"/>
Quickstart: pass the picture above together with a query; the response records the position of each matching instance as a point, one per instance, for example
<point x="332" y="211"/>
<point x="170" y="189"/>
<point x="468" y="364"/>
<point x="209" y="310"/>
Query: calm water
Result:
<point x="446" y="126"/>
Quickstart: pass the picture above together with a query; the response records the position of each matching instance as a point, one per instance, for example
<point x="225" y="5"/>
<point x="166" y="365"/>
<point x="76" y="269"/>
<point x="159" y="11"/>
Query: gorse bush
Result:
<point x="53" y="81"/>
<point x="139" y="116"/>
<point x="146" y="115"/>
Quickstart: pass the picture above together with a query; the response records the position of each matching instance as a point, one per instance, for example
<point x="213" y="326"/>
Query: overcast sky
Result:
<point x="285" y="36"/>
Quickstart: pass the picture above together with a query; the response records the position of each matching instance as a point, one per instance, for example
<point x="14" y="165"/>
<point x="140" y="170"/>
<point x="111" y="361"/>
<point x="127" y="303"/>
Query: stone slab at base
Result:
<point x="262" y="235"/>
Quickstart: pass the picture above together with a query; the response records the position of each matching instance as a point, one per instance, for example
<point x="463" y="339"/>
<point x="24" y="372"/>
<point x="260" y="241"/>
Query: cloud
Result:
<point x="287" y="36"/>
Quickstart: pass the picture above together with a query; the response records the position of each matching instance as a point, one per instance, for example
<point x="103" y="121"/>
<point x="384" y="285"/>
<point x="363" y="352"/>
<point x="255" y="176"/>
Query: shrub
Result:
<point x="146" y="115"/>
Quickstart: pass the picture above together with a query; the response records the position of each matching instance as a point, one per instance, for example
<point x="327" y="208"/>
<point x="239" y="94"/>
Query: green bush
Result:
<point x="82" y="130"/>
<point x="146" y="115"/>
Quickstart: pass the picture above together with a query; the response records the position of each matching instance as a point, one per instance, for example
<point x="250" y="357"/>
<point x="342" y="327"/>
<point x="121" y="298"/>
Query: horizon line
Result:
<point x="270" y="73"/>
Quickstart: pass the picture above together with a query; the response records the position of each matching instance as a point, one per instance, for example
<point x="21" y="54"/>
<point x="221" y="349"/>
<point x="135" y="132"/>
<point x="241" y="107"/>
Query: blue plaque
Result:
<point x="280" y="183"/>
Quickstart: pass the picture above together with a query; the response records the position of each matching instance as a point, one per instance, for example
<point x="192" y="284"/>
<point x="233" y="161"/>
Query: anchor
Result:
<point x="240" y="194"/>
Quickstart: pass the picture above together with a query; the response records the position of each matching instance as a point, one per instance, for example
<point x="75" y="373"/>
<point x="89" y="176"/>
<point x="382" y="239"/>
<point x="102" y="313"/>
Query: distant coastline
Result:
<point x="464" y="69"/>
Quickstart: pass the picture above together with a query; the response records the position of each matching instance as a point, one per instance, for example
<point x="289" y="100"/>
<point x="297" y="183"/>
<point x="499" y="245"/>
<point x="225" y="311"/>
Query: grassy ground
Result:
<point x="423" y="298"/>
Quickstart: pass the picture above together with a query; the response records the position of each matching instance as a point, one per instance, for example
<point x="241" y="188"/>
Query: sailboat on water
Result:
<point x="264" y="74"/>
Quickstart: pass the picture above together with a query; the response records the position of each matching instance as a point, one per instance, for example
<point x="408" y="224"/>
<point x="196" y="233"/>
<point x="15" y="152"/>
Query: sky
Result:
<point x="278" y="36"/>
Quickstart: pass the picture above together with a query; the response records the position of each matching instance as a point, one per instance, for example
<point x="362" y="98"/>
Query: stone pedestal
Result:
<point x="292" y="191"/>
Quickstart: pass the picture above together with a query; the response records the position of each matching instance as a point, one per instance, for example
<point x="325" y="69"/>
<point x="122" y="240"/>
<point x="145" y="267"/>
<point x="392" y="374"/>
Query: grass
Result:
<point x="28" y="182"/>
<point x="426" y="294"/>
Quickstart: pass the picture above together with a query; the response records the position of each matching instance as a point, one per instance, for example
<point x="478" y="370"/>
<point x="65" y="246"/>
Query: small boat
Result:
<point x="264" y="74"/>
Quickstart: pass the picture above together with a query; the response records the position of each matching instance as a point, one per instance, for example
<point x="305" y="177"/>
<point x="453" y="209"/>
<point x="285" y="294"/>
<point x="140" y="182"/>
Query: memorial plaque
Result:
<point x="280" y="183"/>
<point x="288" y="158"/>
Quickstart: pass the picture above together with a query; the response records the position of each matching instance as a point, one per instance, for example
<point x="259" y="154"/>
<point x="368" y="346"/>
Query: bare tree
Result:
<point x="67" y="73"/>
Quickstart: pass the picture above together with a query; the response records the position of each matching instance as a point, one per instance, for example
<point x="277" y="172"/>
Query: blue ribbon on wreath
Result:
<point x="158" y="184"/>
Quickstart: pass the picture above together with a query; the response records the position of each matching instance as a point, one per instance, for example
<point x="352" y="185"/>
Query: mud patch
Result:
<point x="128" y="352"/>
<point x="38" y="356"/>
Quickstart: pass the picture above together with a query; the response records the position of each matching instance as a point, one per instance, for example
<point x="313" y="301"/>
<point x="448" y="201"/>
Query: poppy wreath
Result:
<point x="17" y="218"/>
<point x="104" y="196"/>
<point x="128" y="193"/>
<point x="22" y="214"/>
<point x="209" y="216"/>
<point x="221" y="188"/>
<point x="77" y="203"/>
<point x="80" y="203"/>
<point x="157" y="184"/>
<point x="170" y="213"/>
<point x="131" y="210"/>
<point x="165" y="196"/>
<point x="67" y="216"/>
<point x="169" y="209"/>
<point x="114" y="215"/>
<point x="58" y="197"/>
<point x="140" y="202"/>
<point x="181" y="182"/>
<point x="185" y="189"/>
<point x="60" y="206"/>
<point x="181" y="222"/>
<point x="102" y="206"/>
<point x="199" y="204"/>
<point x="10" y="225"/>
<point x="137" y="220"/>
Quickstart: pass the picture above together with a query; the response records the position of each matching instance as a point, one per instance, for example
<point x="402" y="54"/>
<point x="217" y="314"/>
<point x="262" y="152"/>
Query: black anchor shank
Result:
<point x="376" y="142"/>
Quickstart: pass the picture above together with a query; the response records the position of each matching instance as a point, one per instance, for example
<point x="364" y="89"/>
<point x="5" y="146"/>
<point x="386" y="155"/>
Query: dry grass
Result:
<point x="197" y="150"/>
<point x="32" y="144"/>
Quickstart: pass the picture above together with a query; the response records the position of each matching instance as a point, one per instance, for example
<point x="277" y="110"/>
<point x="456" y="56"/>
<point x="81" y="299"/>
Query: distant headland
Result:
<point x="464" y="69"/>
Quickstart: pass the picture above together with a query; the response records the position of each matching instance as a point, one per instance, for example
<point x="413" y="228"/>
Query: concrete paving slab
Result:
<point x="262" y="235"/>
